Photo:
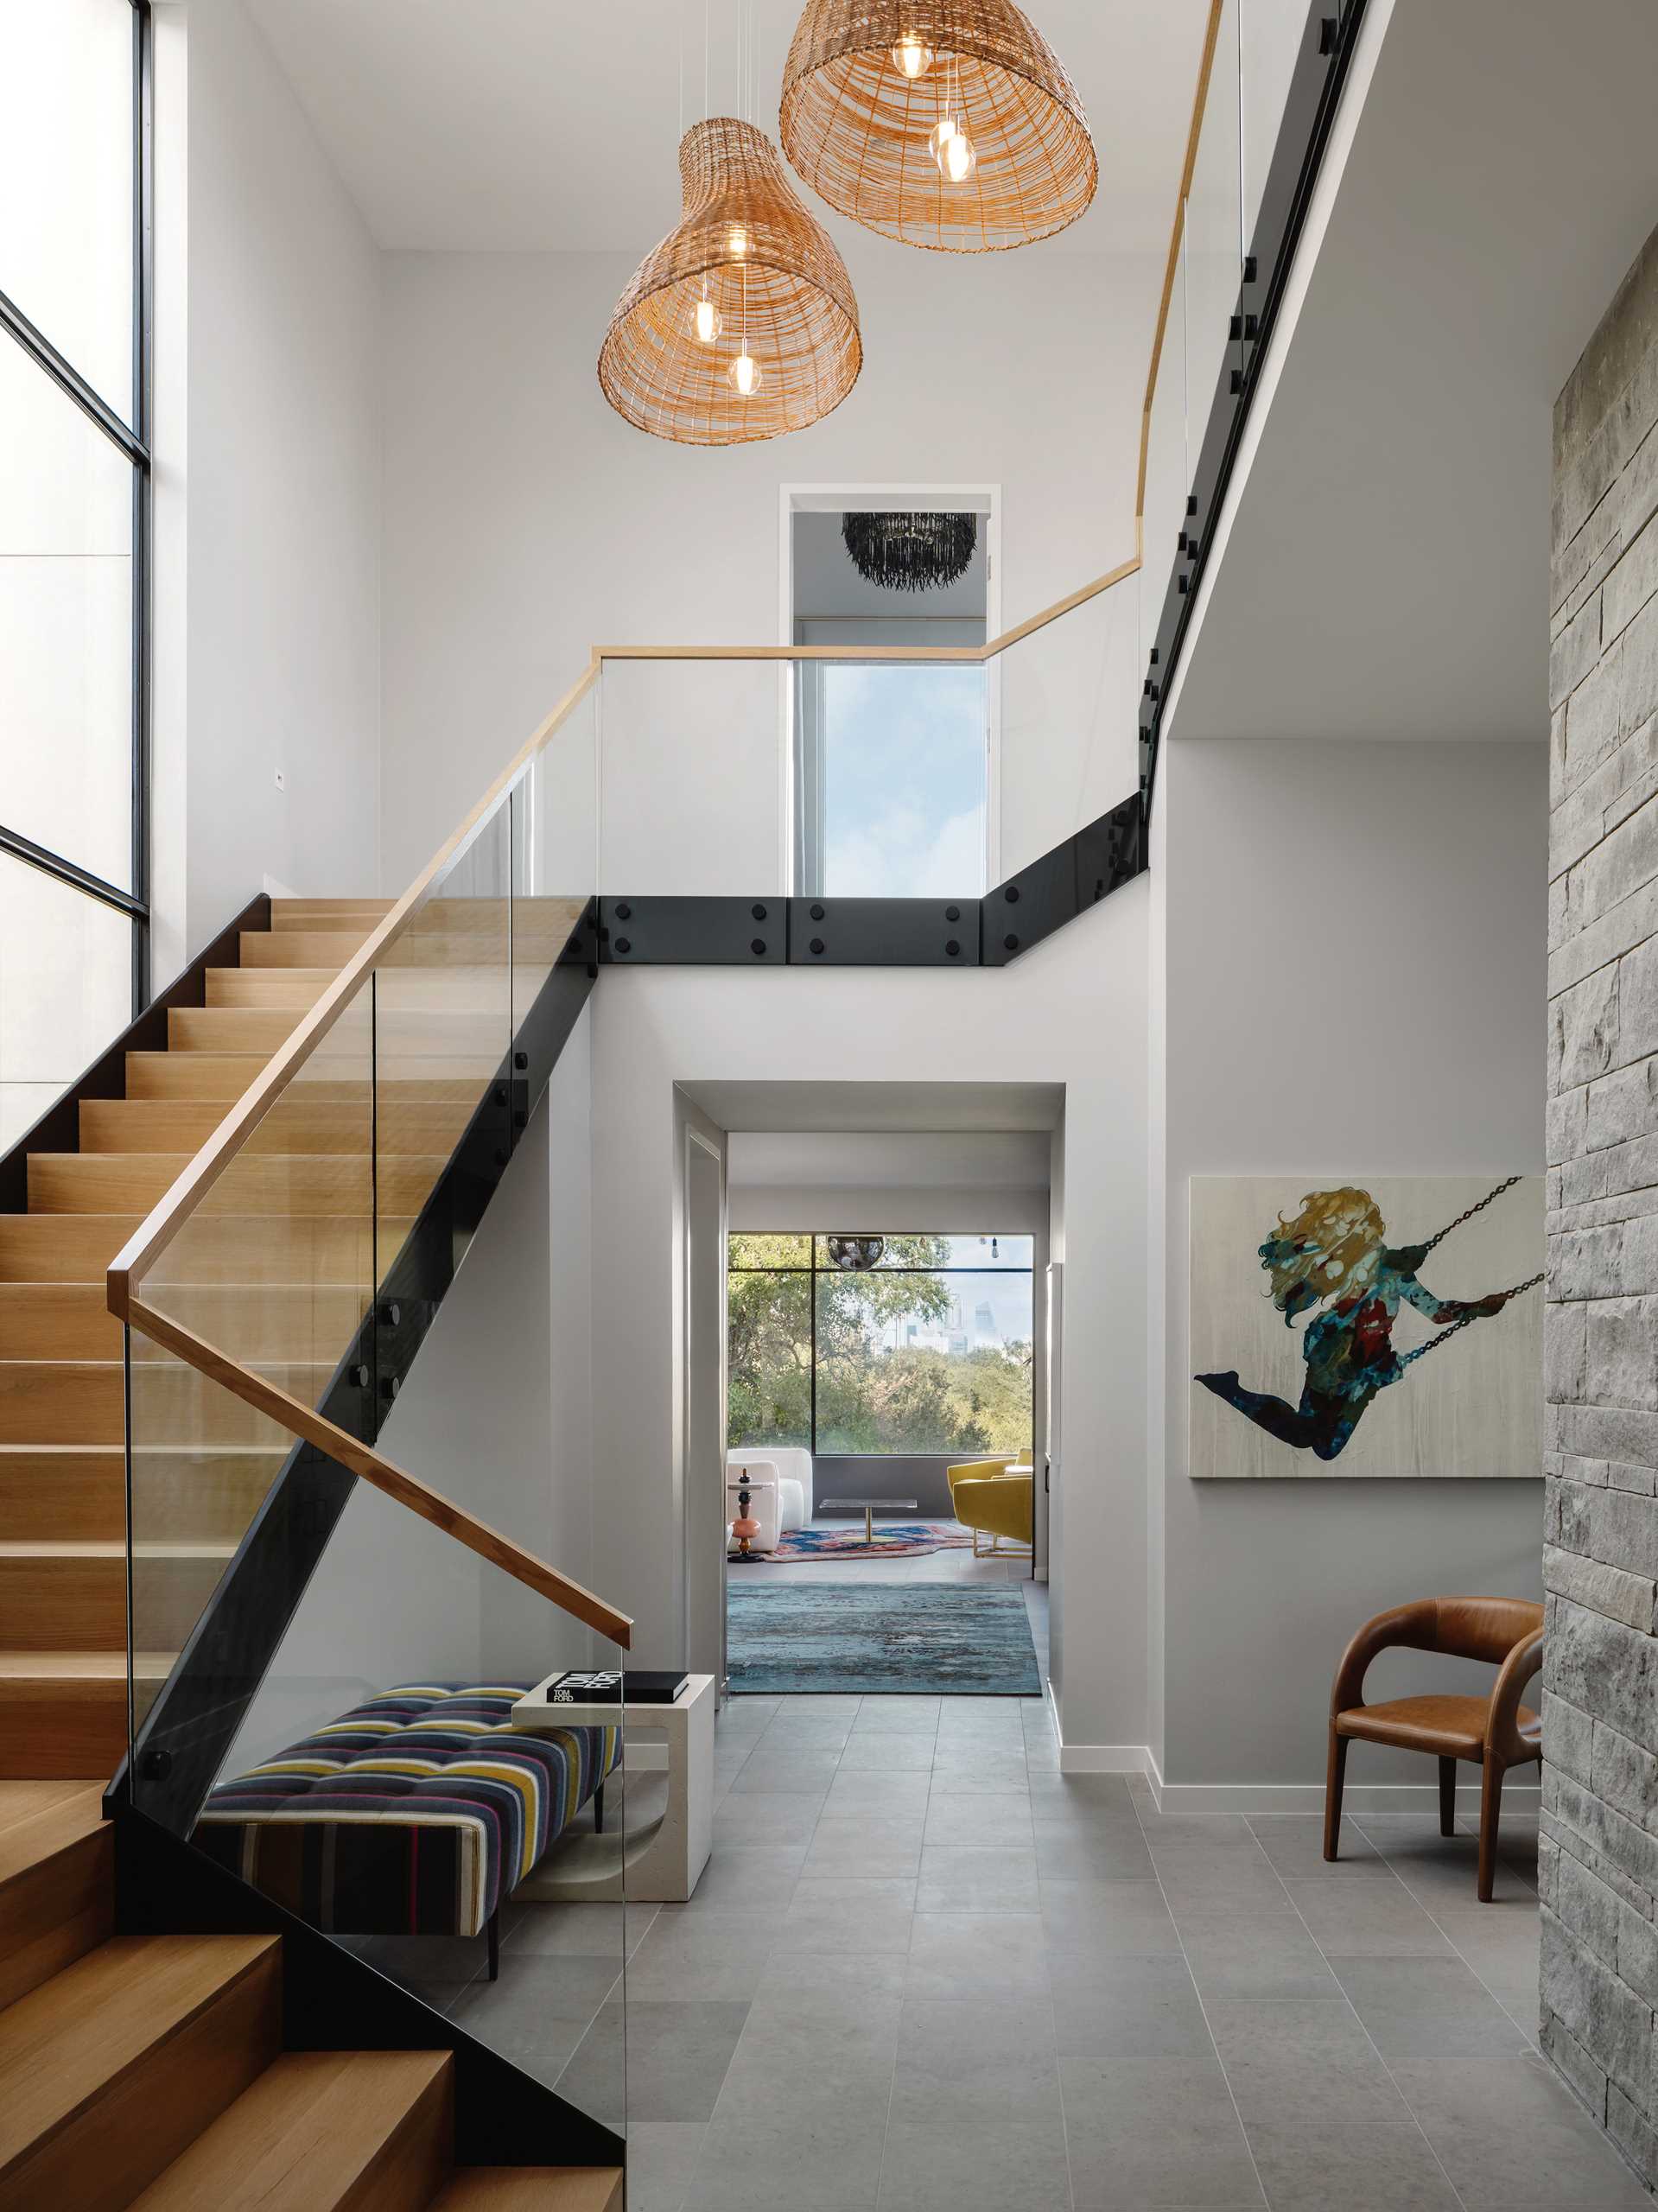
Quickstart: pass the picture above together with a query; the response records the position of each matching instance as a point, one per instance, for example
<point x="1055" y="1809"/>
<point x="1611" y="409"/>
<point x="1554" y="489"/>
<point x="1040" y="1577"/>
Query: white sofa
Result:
<point x="792" y="1465"/>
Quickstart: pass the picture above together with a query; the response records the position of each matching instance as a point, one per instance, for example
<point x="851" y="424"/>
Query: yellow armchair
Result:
<point x="995" y="1502"/>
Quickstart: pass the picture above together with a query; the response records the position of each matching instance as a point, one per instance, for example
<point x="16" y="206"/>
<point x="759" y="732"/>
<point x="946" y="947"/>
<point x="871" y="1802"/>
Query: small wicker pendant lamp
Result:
<point x="742" y="323"/>
<point x="873" y="89"/>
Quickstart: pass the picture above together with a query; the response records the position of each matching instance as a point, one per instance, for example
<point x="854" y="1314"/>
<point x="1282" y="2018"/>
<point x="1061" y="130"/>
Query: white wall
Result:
<point x="526" y="522"/>
<point x="1071" y="1012"/>
<point x="268" y="446"/>
<point x="1355" y="958"/>
<point x="937" y="1180"/>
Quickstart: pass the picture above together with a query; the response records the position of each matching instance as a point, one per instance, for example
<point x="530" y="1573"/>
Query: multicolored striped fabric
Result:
<point x="413" y="1815"/>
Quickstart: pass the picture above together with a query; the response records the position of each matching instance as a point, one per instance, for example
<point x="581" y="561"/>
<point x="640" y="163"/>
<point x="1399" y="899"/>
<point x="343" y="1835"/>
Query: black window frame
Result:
<point x="133" y="440"/>
<point x="813" y="1269"/>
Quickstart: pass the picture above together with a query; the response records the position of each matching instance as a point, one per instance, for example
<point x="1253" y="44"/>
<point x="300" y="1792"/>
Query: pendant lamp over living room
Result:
<point x="742" y="324"/>
<point x="945" y="123"/>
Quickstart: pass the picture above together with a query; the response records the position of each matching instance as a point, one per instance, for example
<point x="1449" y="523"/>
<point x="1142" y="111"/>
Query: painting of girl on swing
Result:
<point x="1334" y="1256"/>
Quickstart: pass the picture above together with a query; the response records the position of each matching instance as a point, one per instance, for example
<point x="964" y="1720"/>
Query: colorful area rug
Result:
<point x="901" y="1540"/>
<point x="968" y="1639"/>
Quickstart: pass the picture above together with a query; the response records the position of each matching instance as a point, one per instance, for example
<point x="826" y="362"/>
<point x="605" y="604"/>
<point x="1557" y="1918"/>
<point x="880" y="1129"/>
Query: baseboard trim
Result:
<point x="1267" y="1797"/>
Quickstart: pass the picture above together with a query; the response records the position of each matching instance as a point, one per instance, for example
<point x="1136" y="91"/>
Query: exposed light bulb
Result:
<point x="705" y="321"/>
<point x="743" y="375"/>
<point x="956" y="158"/>
<point x="911" y="58"/>
<point x="738" y="242"/>
<point x="946" y="127"/>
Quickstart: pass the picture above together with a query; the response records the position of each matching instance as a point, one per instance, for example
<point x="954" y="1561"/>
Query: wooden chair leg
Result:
<point x="1447" y="1797"/>
<point x="492" y="1929"/>
<point x="598" y="1810"/>
<point x="1334" y="1775"/>
<point x="1491" y="1811"/>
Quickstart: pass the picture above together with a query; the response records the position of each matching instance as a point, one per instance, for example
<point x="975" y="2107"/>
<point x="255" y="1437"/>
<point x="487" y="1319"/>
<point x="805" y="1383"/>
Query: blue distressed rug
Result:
<point x="847" y="1638"/>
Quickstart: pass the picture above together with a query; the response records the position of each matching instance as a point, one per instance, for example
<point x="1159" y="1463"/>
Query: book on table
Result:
<point x="608" y="1685"/>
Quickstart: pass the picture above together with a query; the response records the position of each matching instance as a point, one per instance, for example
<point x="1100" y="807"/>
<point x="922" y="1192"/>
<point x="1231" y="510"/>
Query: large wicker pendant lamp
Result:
<point x="742" y="323"/>
<point x="947" y="123"/>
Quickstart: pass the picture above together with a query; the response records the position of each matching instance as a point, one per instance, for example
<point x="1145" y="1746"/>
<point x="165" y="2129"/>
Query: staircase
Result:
<point x="150" y="2070"/>
<point x="62" y="1486"/>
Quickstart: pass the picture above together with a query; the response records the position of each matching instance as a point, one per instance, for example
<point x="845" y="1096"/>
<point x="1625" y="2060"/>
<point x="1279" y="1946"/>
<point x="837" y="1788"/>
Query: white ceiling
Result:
<point x="1386" y="574"/>
<point x="541" y="126"/>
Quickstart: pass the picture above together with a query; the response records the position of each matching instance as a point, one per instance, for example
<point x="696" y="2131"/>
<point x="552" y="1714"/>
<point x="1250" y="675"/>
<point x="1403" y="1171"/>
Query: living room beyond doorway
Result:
<point x="882" y="1462"/>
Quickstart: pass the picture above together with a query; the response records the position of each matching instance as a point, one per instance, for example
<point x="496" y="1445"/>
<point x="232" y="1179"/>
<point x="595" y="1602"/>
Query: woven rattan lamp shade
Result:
<point x="856" y="128"/>
<point x="743" y="235"/>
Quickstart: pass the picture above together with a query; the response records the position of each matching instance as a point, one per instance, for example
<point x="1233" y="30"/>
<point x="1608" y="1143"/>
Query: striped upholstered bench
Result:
<point x="415" y="1815"/>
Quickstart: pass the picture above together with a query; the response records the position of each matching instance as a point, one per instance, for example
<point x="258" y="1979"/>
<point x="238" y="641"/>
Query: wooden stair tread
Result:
<point x="107" y="1547"/>
<point x="531" y="2188"/>
<point x="315" y="913"/>
<point x="57" y="1880"/>
<point x="83" y="1666"/>
<point x="295" y="948"/>
<point x="280" y="986"/>
<point x="310" y="2132"/>
<point x="69" y="2040"/>
<point x="39" y="1819"/>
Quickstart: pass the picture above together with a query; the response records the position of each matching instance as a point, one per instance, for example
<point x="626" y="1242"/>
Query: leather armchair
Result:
<point x="992" y="1503"/>
<point x="1493" y="1733"/>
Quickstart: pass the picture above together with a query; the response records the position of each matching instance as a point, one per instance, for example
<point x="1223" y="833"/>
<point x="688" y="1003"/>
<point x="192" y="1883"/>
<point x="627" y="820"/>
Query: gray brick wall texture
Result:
<point x="1598" y="1867"/>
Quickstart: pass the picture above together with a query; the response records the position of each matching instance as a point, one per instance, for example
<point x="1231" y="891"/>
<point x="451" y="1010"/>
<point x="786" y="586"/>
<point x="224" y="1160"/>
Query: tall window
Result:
<point x="74" y="511"/>
<point x="892" y="777"/>
<point x="928" y="1353"/>
<point x="892" y="758"/>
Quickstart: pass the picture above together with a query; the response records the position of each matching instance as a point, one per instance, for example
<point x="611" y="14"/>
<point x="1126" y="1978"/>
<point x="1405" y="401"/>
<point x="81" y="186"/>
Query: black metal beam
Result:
<point x="1322" y="64"/>
<point x="829" y="932"/>
<point x="1064" y="883"/>
<point x="693" y="933"/>
<point x="884" y="932"/>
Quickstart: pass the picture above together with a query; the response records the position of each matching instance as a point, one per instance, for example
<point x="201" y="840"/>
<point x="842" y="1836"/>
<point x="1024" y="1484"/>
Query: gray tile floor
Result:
<point x="925" y="1971"/>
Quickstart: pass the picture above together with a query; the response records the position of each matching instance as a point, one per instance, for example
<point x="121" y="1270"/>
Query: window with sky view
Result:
<point x="903" y="767"/>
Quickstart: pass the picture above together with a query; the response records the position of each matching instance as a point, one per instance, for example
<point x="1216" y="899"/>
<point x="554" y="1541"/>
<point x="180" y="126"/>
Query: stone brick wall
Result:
<point x="1599" y="1850"/>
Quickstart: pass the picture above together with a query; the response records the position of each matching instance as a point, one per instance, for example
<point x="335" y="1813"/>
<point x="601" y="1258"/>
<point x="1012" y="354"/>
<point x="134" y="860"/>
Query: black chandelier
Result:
<point x="855" y="1253"/>
<point x="909" y="552"/>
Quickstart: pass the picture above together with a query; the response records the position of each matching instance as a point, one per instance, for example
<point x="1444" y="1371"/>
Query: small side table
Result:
<point x="663" y="1859"/>
<point x="868" y="1507"/>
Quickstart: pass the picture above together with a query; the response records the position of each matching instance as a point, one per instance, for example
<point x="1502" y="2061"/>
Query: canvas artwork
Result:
<point x="1366" y="1326"/>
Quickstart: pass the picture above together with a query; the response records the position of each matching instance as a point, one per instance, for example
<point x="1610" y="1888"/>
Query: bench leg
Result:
<point x="598" y="1810"/>
<point x="1447" y="1797"/>
<point x="1335" y="1775"/>
<point x="492" y="1931"/>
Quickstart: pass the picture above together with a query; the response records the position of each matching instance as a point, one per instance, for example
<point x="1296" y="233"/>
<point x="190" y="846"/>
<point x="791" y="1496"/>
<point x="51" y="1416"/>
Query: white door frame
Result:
<point x="878" y="498"/>
<point x="704" y="1469"/>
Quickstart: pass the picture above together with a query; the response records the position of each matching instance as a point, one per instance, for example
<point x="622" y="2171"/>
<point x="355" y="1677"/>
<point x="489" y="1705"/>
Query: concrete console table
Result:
<point x="663" y="1855"/>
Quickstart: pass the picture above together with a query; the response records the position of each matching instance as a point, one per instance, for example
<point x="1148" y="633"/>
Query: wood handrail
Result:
<point x="961" y="655"/>
<point x="348" y="1450"/>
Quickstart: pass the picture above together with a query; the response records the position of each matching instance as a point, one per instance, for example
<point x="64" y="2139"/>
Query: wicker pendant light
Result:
<point x="946" y="123"/>
<point x="742" y="323"/>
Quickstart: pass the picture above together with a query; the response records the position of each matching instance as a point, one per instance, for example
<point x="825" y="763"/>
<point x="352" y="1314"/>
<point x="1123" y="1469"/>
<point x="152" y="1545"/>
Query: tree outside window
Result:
<point x="929" y="1353"/>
